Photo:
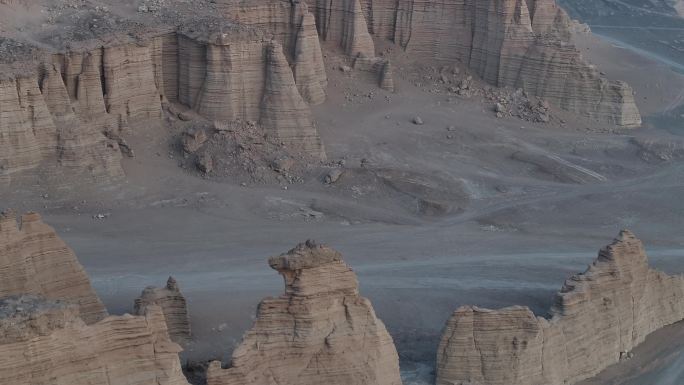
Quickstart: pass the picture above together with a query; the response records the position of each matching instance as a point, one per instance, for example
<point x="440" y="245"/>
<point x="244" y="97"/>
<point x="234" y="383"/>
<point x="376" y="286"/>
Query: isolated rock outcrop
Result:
<point x="45" y="342"/>
<point x="516" y="43"/>
<point x="319" y="332"/>
<point x="599" y="316"/>
<point x="34" y="260"/>
<point x="173" y="305"/>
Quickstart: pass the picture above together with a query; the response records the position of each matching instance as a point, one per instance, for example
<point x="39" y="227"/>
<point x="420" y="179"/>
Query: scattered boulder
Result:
<point x="33" y="259"/>
<point x="417" y="120"/>
<point x="333" y="176"/>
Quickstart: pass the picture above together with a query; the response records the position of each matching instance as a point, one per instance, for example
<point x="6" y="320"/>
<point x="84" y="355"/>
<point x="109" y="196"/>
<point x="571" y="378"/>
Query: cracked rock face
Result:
<point x="598" y="316"/>
<point x="34" y="260"/>
<point x="173" y="305"/>
<point x="320" y="331"/>
<point x="46" y="342"/>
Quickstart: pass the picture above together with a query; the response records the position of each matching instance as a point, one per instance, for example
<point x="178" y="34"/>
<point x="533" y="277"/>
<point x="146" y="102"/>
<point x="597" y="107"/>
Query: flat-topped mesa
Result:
<point x="516" y="43"/>
<point x="599" y="316"/>
<point x="43" y="341"/>
<point x="173" y="305"/>
<point x="34" y="260"/>
<point x="320" y="331"/>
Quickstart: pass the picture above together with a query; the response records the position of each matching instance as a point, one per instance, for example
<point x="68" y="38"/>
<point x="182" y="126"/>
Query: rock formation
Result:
<point x="319" y="332"/>
<point x="173" y="306"/>
<point x="34" y="260"/>
<point x="66" y="114"/>
<point x="294" y="28"/>
<point x="240" y="75"/>
<point x="516" y="43"/>
<point x="45" y="342"/>
<point x="599" y="316"/>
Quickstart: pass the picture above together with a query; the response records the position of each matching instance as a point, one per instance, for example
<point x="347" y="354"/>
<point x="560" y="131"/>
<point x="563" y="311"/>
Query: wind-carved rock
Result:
<point x="343" y="22"/>
<point x="517" y="43"/>
<point x="319" y="332"/>
<point x="34" y="260"/>
<point x="294" y="27"/>
<point x="240" y="75"/>
<point x="173" y="305"/>
<point x="45" y="342"/>
<point x="73" y="123"/>
<point x="598" y="317"/>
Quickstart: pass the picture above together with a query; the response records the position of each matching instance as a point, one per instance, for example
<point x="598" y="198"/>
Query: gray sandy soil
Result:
<point x="493" y="212"/>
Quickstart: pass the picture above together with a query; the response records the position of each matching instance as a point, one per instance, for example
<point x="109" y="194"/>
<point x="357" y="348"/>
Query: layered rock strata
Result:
<point x="245" y="76"/>
<point x="319" y="332"/>
<point x="45" y="342"/>
<point x="292" y="25"/>
<point x="70" y="110"/>
<point x="173" y="305"/>
<point x="515" y="43"/>
<point x="599" y="316"/>
<point x="34" y="260"/>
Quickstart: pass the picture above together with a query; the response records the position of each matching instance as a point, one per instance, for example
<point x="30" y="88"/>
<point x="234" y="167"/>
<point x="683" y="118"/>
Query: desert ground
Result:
<point x="467" y="208"/>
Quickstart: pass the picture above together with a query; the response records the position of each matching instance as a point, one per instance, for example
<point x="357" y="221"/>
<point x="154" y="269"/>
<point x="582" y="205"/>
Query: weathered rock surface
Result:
<point x="292" y="25"/>
<point x="517" y="43"/>
<point x="599" y="316"/>
<point x="45" y="342"/>
<point x="244" y="76"/>
<point x="65" y="110"/>
<point x="173" y="305"/>
<point x="319" y="332"/>
<point x="34" y="260"/>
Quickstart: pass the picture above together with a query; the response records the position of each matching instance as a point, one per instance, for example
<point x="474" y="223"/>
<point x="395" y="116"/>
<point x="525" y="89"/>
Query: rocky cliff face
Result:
<point x="291" y="25"/>
<point x="319" y="332"/>
<point x="173" y="305"/>
<point x="45" y="342"/>
<point x="33" y="260"/>
<point x="67" y="112"/>
<point x="243" y="76"/>
<point x="516" y="43"/>
<point x="599" y="316"/>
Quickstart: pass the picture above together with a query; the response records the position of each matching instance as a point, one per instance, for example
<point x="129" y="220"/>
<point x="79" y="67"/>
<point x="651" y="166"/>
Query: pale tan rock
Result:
<point x="517" y="43"/>
<point x="283" y="111"/>
<point x="173" y="305"/>
<point x="34" y="260"/>
<point x="309" y="73"/>
<point x="45" y="342"/>
<point x="27" y="133"/>
<point x="319" y="332"/>
<point x="293" y="26"/>
<point x="343" y="22"/>
<point x="130" y="82"/>
<point x="599" y="316"/>
<point x="89" y="92"/>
